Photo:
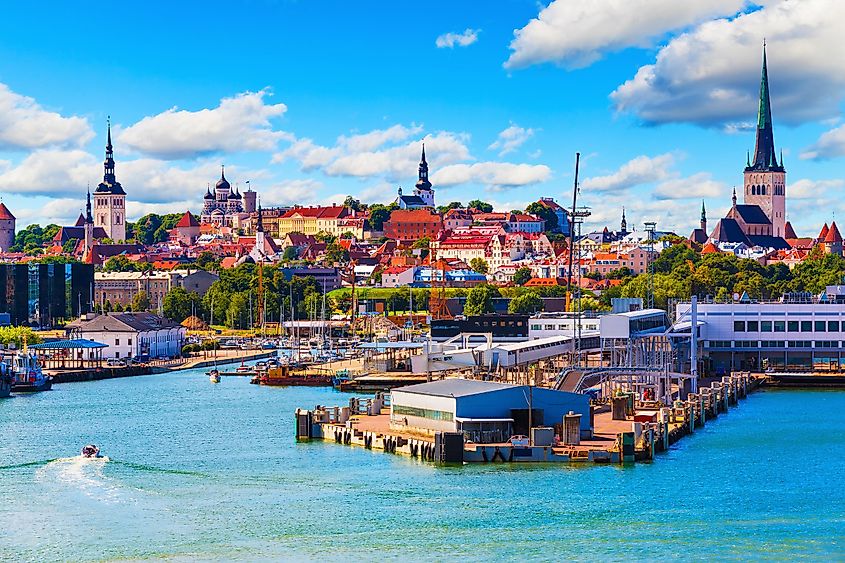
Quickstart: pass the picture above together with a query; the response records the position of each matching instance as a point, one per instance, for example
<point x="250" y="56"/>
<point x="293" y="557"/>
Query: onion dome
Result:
<point x="208" y="194"/>
<point x="222" y="183"/>
<point x="235" y="195"/>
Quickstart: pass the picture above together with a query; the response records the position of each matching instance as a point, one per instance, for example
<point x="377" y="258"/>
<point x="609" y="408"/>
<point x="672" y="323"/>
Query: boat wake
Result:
<point x="85" y="475"/>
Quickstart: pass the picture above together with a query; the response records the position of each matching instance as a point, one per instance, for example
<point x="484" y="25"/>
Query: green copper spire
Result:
<point x="765" y="157"/>
<point x="764" y="114"/>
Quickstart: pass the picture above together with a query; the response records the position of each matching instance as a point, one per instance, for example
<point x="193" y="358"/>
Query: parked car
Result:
<point x="115" y="363"/>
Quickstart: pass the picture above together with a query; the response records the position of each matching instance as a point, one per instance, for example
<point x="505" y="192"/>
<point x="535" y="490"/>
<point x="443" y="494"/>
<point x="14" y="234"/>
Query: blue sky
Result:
<point x="315" y="100"/>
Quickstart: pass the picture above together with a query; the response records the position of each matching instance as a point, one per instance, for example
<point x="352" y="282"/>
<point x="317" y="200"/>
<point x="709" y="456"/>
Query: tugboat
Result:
<point x="27" y="376"/>
<point x="90" y="451"/>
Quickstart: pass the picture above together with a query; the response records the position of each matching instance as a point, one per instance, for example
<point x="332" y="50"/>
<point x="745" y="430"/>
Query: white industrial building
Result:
<point x="484" y="411"/>
<point x="794" y="334"/>
<point x="131" y="335"/>
<point x="544" y="325"/>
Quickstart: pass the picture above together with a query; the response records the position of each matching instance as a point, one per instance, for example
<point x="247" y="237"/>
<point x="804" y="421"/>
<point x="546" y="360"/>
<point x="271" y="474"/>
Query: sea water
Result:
<point x="197" y="471"/>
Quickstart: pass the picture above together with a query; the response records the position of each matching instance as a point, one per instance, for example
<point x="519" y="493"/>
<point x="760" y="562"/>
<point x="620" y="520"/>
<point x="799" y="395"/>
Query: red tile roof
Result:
<point x="5" y="213"/>
<point x="187" y="220"/>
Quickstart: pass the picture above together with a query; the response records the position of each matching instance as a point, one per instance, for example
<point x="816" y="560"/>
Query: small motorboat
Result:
<point x="244" y="370"/>
<point x="90" y="451"/>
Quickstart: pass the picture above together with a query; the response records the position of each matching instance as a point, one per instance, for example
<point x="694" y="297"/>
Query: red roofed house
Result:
<point x="186" y="231"/>
<point x="409" y="225"/>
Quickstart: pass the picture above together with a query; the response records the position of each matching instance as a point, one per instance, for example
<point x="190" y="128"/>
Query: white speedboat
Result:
<point x="90" y="451"/>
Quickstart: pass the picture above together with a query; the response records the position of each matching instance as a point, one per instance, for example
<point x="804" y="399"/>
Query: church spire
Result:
<point x="765" y="157"/>
<point x="423" y="183"/>
<point x="89" y="218"/>
<point x="259" y="226"/>
<point x="624" y="224"/>
<point x="108" y="165"/>
<point x="733" y="198"/>
<point x="703" y="217"/>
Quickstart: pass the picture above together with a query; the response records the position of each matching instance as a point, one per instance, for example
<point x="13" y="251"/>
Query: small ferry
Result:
<point x="27" y="376"/>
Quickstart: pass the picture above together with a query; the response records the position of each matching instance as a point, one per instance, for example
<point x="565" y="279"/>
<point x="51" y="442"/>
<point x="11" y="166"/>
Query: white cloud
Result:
<point x="813" y="189"/>
<point x="830" y="145"/>
<point x="289" y="192"/>
<point x="510" y="139"/>
<point x="700" y="185"/>
<point x="495" y="175"/>
<point x="24" y="124"/>
<point x="67" y="173"/>
<point x="640" y="170"/>
<point x="450" y="40"/>
<point x="574" y="33"/>
<point x="240" y="123"/>
<point x="710" y="75"/>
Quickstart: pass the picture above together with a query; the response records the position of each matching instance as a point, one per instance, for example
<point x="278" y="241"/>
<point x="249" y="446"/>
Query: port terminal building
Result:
<point x="484" y="411"/>
<point x="799" y="332"/>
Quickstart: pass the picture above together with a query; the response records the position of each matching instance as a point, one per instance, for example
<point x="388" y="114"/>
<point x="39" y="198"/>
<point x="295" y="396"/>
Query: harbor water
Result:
<point x="196" y="471"/>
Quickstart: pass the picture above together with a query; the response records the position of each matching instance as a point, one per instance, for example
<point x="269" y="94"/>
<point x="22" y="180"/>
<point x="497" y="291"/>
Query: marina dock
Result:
<point x="622" y="430"/>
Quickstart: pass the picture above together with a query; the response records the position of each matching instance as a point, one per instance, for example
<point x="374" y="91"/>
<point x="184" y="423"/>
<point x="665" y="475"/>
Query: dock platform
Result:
<point x="644" y="430"/>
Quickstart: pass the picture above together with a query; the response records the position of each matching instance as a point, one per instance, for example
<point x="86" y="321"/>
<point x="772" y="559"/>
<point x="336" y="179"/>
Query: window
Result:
<point x="792" y="326"/>
<point x="780" y="326"/>
<point x="806" y="326"/>
<point x="752" y="326"/>
<point x="739" y="326"/>
<point x="819" y="326"/>
<point x="117" y="341"/>
<point x="833" y="326"/>
<point x="129" y="342"/>
<point x="765" y="326"/>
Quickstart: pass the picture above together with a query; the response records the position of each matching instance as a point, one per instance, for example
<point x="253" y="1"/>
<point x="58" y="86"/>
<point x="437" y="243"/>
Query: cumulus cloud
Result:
<point x="575" y="34"/>
<point x="813" y="189"/>
<point x="495" y="175"/>
<point x="389" y="155"/>
<point x="450" y="40"/>
<point x="67" y="173"/>
<point x="511" y="139"/>
<point x="383" y="153"/>
<point x="709" y="76"/>
<point x="289" y="192"/>
<point x="240" y="123"/>
<point x="697" y="186"/>
<point x="640" y="170"/>
<point x="830" y="145"/>
<point x="24" y="124"/>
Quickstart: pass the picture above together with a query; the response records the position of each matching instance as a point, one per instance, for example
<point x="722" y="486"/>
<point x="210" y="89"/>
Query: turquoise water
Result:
<point x="197" y="471"/>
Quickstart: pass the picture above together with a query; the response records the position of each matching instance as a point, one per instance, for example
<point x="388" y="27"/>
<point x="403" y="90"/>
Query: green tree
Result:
<point x="323" y="236"/>
<point x="70" y="245"/>
<point x="121" y="264"/>
<point x="290" y="254"/>
<point x="480" y="300"/>
<point x="525" y="304"/>
<point x="141" y="301"/>
<point x="479" y="265"/>
<point x="336" y="253"/>
<point x="352" y="203"/>
<point x="522" y="275"/>
<point x="482" y="206"/>
<point x="206" y="261"/>
<point x="379" y="214"/>
<point x="178" y="304"/>
<point x="544" y="213"/>
<point x="450" y="205"/>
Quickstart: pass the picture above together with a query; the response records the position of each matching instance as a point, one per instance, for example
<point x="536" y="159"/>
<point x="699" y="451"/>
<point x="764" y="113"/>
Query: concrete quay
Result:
<point x="624" y="431"/>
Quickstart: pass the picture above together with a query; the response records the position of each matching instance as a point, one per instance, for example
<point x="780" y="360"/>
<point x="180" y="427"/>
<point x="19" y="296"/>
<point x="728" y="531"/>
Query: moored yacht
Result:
<point x="27" y="376"/>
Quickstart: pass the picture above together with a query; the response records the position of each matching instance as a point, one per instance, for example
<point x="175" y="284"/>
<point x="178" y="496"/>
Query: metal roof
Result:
<point x="455" y="387"/>
<point x="68" y="344"/>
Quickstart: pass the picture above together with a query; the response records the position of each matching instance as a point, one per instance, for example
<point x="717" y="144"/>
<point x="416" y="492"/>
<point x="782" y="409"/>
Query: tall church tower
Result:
<point x="110" y="199"/>
<point x="765" y="178"/>
<point x="423" y="186"/>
